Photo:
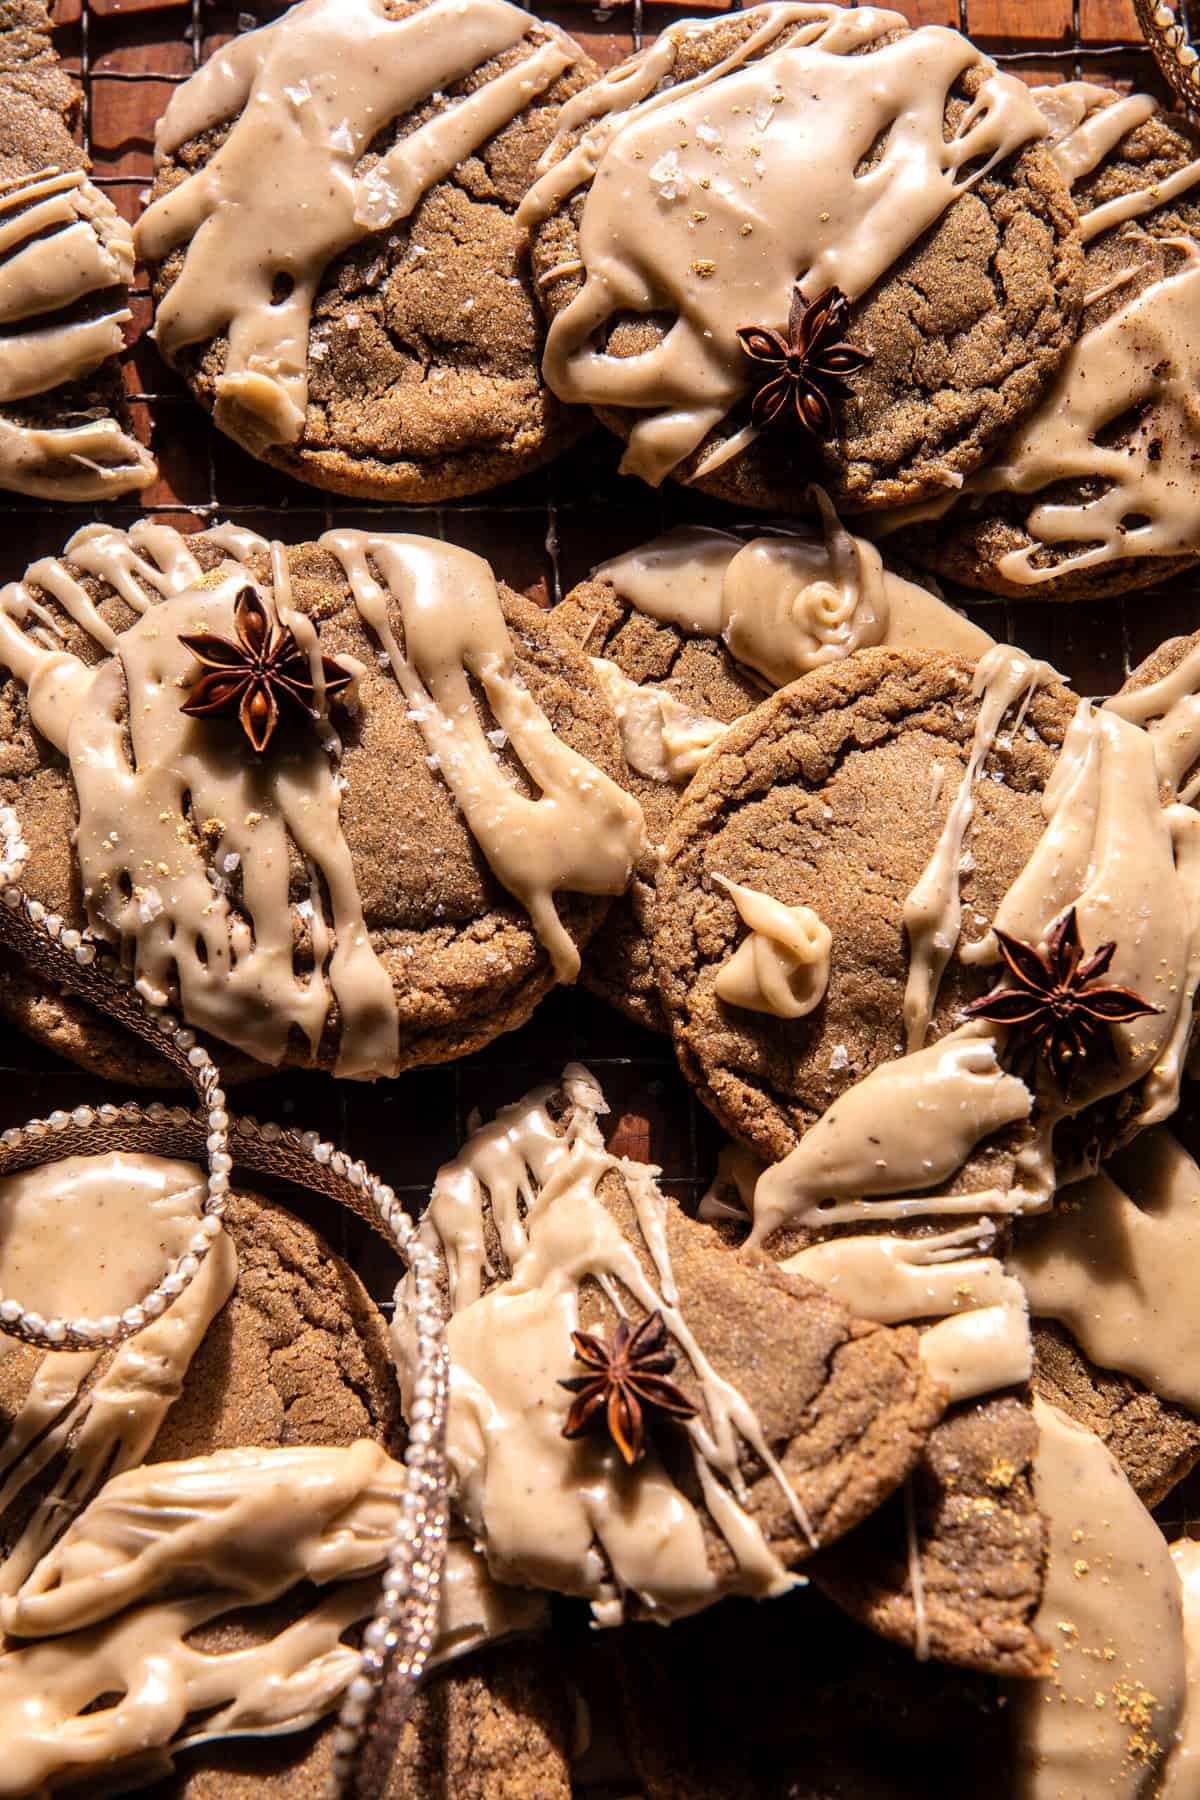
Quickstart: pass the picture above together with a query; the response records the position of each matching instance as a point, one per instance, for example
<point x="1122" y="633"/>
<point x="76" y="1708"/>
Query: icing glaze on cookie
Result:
<point x="1169" y="710"/>
<point x="1131" y="869"/>
<point x="62" y="242"/>
<point x="661" y="737"/>
<point x="1145" y="354"/>
<point x="784" y="606"/>
<point x="1103" y="1720"/>
<point x="549" y="1510"/>
<point x="981" y="1340"/>
<point x="1116" y="1263"/>
<point x="173" y="820"/>
<point x="783" y="966"/>
<point x="80" y="1238"/>
<point x="293" y="185"/>
<point x="1142" y="354"/>
<point x="1183" y="1766"/>
<point x="692" y="204"/>
<point x="243" y="1526"/>
<point x="582" y="832"/>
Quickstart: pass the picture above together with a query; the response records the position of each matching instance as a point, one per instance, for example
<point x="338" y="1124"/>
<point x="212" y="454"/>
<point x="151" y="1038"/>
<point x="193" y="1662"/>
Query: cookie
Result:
<point x="1108" y="1274"/>
<point x="792" y="1702"/>
<point x="1096" y="491"/>
<point x="835" y="938"/>
<point x="798" y="806"/>
<point x="354" y="874"/>
<point x="800" y="802"/>
<point x="158" y="1457"/>
<point x="65" y="430"/>
<point x="385" y="341"/>
<point x="693" y="208"/>
<point x="805" y="1419"/>
<point x="688" y="633"/>
<point x="1160" y="696"/>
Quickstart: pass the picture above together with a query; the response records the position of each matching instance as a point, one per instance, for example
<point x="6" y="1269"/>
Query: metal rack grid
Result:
<point x="542" y="534"/>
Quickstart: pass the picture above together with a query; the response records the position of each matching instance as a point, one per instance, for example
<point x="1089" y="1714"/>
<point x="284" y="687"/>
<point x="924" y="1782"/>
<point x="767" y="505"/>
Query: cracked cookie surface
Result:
<point x="424" y="351"/>
<point x="801" y="801"/>
<point x="964" y="330"/>
<point x="979" y="541"/>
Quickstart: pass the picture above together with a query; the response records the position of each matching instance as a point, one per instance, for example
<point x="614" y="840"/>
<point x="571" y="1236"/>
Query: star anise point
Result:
<point x="1054" y="1008"/>
<point x="247" y="679"/>
<point x="811" y="361"/>
<point x="626" y="1378"/>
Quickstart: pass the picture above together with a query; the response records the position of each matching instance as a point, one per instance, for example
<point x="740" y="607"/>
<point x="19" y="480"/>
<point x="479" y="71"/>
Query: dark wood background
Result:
<point x="542" y="534"/>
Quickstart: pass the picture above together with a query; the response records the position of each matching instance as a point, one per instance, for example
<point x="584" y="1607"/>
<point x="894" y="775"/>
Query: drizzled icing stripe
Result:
<point x="692" y="209"/>
<point x="293" y="185"/>
<point x="548" y="1510"/>
<point x="62" y="242"/>
<point x="582" y="832"/>
<point x="932" y="911"/>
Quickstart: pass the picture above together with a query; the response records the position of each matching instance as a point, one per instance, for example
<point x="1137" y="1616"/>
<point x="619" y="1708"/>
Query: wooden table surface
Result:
<point x="541" y="534"/>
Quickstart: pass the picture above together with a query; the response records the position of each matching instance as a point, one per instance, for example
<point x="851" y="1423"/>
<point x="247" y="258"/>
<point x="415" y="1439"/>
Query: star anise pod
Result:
<point x="1057" y="1010"/>
<point x="627" y="1377"/>
<point x="250" y="678"/>
<point x="810" y="362"/>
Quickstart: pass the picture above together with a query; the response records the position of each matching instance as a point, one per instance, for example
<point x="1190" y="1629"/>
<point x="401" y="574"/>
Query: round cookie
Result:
<point x="802" y="802"/>
<point x="1096" y="492"/>
<point x="373" y="848"/>
<point x="664" y="227"/>
<point x="384" y="343"/>
<point x="689" y="633"/>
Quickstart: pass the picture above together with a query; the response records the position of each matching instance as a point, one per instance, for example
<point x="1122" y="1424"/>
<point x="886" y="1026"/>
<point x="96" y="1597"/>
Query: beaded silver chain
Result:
<point x="1167" y="38"/>
<point x="397" y="1642"/>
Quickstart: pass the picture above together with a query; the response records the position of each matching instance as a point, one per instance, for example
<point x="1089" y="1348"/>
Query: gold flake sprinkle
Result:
<point x="1079" y="1568"/>
<point x="704" y="268"/>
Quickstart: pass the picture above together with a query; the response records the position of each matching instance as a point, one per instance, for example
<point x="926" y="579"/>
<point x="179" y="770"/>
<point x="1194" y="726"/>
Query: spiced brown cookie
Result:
<point x="385" y="342"/>
<point x="802" y="802"/>
<point x="708" y="689"/>
<point x="691" y="631"/>
<point x="693" y="210"/>
<point x="65" y="430"/>
<point x="1096" y="491"/>
<point x="356" y="890"/>
<point x="805" y="1417"/>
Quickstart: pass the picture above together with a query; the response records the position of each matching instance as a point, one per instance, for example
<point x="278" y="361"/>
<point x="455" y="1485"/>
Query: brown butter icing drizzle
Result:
<point x="288" y="190"/>
<point x="692" y="208"/>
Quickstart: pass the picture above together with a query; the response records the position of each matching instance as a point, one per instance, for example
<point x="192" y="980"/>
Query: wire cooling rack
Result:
<point x="542" y="534"/>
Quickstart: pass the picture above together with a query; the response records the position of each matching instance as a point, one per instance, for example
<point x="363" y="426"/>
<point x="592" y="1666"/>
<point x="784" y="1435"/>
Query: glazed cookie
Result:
<point x="136" y="1479"/>
<point x="687" y="634"/>
<point x="691" y="209"/>
<point x="791" y="827"/>
<point x="356" y="776"/>
<point x="1098" y="490"/>
<point x="784" y="1423"/>
<point x="385" y="342"/>
<point x="67" y="256"/>
<point x="793" y="1702"/>
<point x="268" y="1376"/>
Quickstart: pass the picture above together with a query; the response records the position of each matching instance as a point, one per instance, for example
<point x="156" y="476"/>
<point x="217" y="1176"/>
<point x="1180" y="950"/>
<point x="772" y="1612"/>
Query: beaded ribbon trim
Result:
<point x="397" y="1643"/>
<point x="1167" y="37"/>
